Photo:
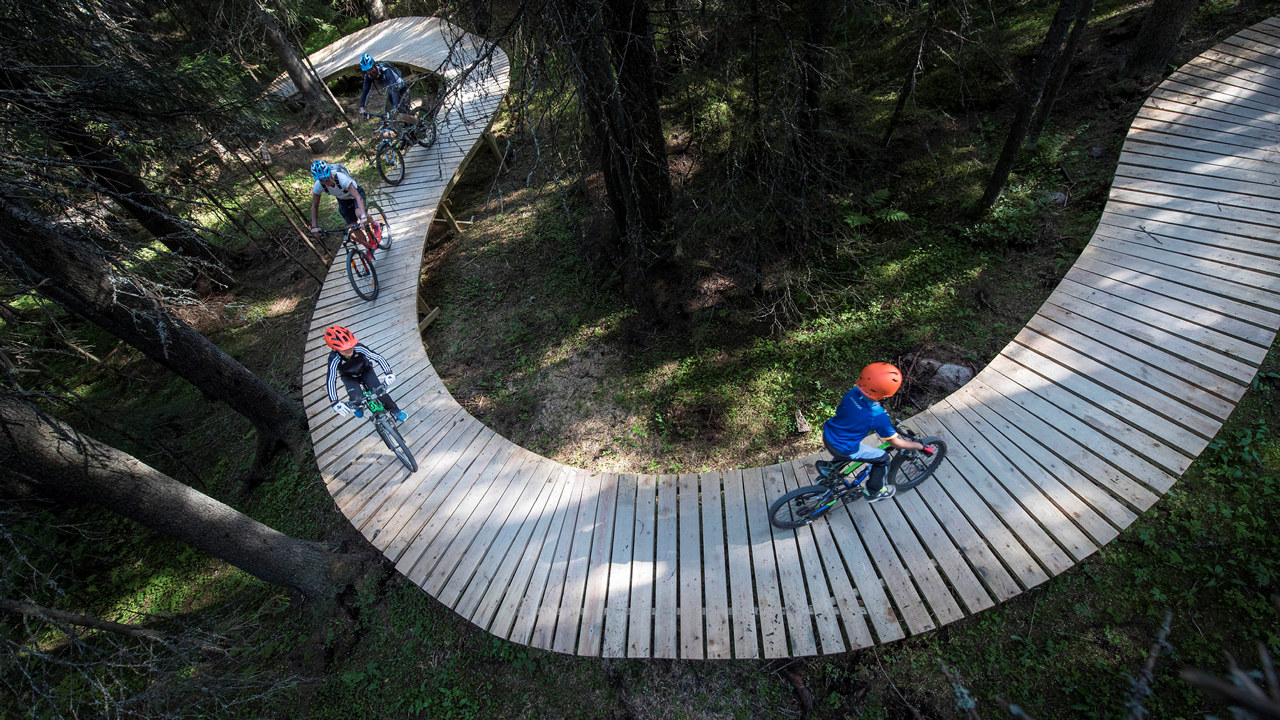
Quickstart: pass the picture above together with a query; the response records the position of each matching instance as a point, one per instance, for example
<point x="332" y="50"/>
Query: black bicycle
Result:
<point x="360" y="242"/>
<point x="842" y="481"/>
<point x="386" y="425"/>
<point x="392" y="142"/>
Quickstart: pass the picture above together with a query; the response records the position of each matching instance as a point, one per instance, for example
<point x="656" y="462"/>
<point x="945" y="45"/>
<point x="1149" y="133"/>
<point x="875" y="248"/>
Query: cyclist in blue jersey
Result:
<point x="353" y="363"/>
<point x="386" y="78"/>
<point x="860" y="414"/>
<point x="330" y="179"/>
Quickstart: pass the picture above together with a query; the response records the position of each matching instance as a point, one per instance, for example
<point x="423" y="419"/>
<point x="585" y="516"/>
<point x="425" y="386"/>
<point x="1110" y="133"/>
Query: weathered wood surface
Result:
<point x="1092" y="411"/>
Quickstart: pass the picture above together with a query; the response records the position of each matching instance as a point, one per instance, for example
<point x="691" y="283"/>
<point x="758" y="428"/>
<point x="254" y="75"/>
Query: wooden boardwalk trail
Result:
<point x="1082" y="422"/>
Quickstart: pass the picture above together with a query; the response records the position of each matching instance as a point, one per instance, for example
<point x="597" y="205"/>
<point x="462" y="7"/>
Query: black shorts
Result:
<point x="347" y="208"/>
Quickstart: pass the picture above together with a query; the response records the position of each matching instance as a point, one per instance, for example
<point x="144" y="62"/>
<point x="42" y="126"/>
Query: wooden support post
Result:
<point x="448" y="217"/>
<point x="429" y="314"/>
<point x="493" y="147"/>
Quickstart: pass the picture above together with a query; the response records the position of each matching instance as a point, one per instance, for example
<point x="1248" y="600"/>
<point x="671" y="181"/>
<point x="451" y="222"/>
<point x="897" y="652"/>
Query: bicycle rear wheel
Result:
<point x="395" y="441"/>
<point x="379" y="217"/>
<point x="909" y="468"/>
<point x="801" y="507"/>
<point x="364" y="279"/>
<point x="390" y="163"/>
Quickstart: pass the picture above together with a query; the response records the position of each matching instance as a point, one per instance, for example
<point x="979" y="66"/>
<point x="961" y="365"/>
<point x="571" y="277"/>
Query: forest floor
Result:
<point x="533" y="340"/>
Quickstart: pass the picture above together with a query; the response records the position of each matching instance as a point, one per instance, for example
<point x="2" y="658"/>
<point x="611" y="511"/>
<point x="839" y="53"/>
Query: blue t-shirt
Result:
<point x="857" y="417"/>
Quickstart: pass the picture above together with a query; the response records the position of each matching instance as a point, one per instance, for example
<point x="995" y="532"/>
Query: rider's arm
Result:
<point x="364" y="91"/>
<point x="904" y="444"/>
<point x="331" y="381"/>
<point x="315" y="210"/>
<point x="354" y="189"/>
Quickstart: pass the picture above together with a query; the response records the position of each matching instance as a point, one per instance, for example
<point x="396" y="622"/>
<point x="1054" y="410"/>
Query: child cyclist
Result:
<point x="354" y="364"/>
<point x="351" y="201"/>
<point x="860" y="414"/>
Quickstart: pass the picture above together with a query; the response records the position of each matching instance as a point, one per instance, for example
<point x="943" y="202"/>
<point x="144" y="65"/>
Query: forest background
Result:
<point x="824" y="198"/>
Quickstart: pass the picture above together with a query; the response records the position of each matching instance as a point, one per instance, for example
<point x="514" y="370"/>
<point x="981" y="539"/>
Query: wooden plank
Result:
<point x="821" y="596"/>
<point x="591" y="635"/>
<point x="795" y="602"/>
<point x="1232" y="259"/>
<point x="690" y="543"/>
<point x="640" y="631"/>
<point x="951" y="562"/>
<point x="626" y="524"/>
<point x="715" y="570"/>
<point x="742" y="600"/>
<point x="764" y="566"/>
<point x="1152" y="327"/>
<point x="579" y="563"/>
<point x="1005" y="542"/>
<point x="1132" y="430"/>
<point x="1149" y="398"/>
<point x="512" y="575"/>
<point x="897" y="581"/>
<point x="1141" y="154"/>
<point x="666" y="600"/>
<point x="473" y="571"/>
<point x="1149" y="370"/>
<point x="918" y="564"/>
<point x="517" y="614"/>
<point x="540" y="614"/>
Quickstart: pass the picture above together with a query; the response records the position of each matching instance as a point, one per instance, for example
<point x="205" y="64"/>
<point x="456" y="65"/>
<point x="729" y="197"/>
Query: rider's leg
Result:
<point x="347" y="208"/>
<point x="370" y="380"/>
<point x="354" y="392"/>
<point x="400" y="101"/>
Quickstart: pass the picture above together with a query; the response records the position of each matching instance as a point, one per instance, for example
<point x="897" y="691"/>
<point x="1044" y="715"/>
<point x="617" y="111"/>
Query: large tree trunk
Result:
<point x="613" y="52"/>
<point x="812" y="65"/>
<point x="61" y="462"/>
<point x="1050" y="49"/>
<point x="307" y="84"/>
<point x="1160" y="32"/>
<point x="75" y="276"/>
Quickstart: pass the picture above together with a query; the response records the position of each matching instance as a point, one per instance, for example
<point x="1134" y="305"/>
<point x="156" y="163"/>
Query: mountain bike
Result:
<point x="842" y="481"/>
<point x="360" y="245"/>
<point x="386" y="425"/>
<point x="391" y="143"/>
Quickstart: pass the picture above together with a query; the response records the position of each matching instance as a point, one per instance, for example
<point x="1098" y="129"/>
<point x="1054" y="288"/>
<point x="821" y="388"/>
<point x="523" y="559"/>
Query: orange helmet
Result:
<point x="880" y="380"/>
<point x="339" y="338"/>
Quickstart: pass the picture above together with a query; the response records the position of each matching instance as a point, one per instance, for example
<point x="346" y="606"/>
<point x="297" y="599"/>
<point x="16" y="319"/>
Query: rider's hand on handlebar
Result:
<point x="926" y="449"/>
<point x="388" y="380"/>
<point x="342" y="408"/>
<point x="315" y="231"/>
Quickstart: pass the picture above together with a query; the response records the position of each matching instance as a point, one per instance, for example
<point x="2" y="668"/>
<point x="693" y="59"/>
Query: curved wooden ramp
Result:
<point x="1081" y="423"/>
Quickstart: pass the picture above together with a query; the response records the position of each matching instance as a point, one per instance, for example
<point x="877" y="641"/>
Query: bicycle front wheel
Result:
<point x="390" y="163"/>
<point x="909" y="468"/>
<point x="427" y="134"/>
<point x="364" y="279"/>
<point x="395" y="441"/>
<point x="384" y="230"/>
<point x="801" y="507"/>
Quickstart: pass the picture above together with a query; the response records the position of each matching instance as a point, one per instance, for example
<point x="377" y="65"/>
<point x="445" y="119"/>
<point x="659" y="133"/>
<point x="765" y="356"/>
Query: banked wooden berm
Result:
<point x="1092" y="412"/>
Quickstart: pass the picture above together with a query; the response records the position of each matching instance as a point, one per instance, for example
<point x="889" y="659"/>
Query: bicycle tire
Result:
<point x="376" y="214"/>
<point x="395" y="441"/>
<point x="390" y="163"/>
<point x="801" y="507"/>
<point x="430" y="131"/>
<point x="909" y="468"/>
<point x="361" y="274"/>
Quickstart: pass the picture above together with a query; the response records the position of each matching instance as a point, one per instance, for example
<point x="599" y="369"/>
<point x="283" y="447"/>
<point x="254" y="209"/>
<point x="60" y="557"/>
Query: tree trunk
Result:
<point x="612" y="47"/>
<point x="1160" y="32"/>
<point x="812" y="65"/>
<point x="908" y="86"/>
<point x="1060" y="69"/>
<point x="307" y="84"/>
<point x="60" y="462"/>
<point x="72" y="274"/>
<point x="1049" y="51"/>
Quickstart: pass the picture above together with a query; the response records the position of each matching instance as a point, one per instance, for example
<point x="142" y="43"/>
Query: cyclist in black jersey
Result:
<point x="354" y="364"/>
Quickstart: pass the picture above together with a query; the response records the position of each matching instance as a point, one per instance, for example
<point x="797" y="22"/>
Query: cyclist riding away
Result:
<point x="350" y="196"/>
<point x="386" y="78"/>
<point x="858" y="415"/>
<point x="354" y="364"/>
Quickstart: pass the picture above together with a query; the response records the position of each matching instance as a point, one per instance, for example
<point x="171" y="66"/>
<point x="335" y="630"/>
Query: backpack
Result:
<point x="339" y="168"/>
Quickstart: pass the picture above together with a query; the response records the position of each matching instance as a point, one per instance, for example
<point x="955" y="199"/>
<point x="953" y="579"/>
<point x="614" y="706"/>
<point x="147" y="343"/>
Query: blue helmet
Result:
<point x="366" y="62"/>
<point x="321" y="170"/>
